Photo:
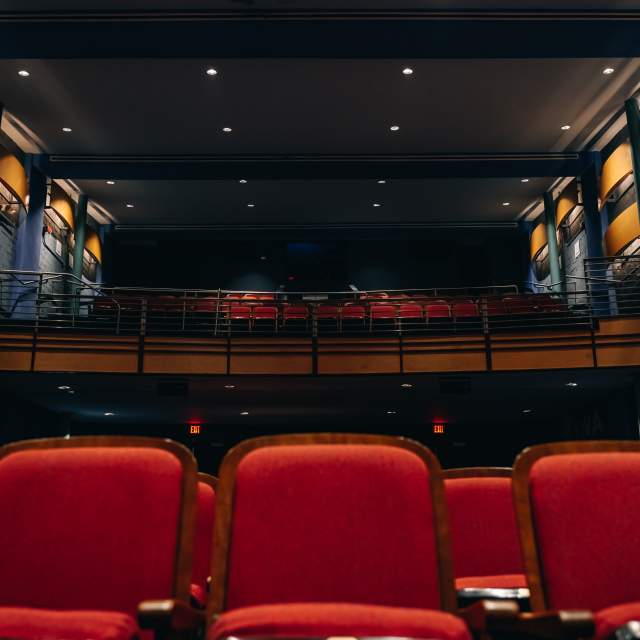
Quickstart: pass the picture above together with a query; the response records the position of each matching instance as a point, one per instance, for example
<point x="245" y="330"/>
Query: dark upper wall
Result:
<point x="319" y="260"/>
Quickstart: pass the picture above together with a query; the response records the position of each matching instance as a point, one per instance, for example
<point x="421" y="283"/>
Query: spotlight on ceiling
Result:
<point x="526" y="411"/>
<point x="394" y="127"/>
<point x="407" y="71"/>
<point x="251" y="205"/>
<point x="572" y="384"/>
<point x="24" y="73"/>
<point x="129" y="205"/>
<point x="377" y="204"/>
<point x="242" y="181"/>
<point x="64" y="387"/>
<point x="244" y="413"/>
<point x="382" y="182"/>
<point x="524" y="180"/>
<point x="608" y="71"/>
<point x="109" y="413"/>
<point x="110" y="182"/>
<point x="506" y="204"/>
<point x="565" y="127"/>
<point x="406" y="385"/>
<point x="66" y="129"/>
<point x="212" y="72"/>
<point x="229" y="386"/>
<point x="227" y="129"/>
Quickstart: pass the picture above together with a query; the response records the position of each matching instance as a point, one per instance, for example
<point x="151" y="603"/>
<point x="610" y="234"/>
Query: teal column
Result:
<point x="552" y="242"/>
<point x="633" y="124"/>
<point x="80" y="234"/>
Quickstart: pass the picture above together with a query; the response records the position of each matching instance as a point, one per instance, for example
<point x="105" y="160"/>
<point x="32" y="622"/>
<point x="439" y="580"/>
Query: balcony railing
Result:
<point x="47" y="301"/>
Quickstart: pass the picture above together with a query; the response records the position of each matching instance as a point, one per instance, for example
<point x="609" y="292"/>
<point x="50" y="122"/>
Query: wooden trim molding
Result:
<point x="225" y="500"/>
<point x="524" y="513"/>
<point x="538" y="239"/>
<point x="614" y="170"/>
<point x="623" y="230"/>
<point x="13" y="176"/>
<point x="477" y="472"/>
<point x="186" y="521"/>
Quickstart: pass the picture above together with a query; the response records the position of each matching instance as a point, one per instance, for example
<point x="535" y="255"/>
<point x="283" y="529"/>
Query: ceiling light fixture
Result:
<point x="66" y="129"/>
<point x="263" y="258"/>
<point x="24" y="73"/>
<point x="406" y="385"/>
<point x="243" y="181"/>
<point x="524" y="180"/>
<point x="572" y="384"/>
<point x="109" y="413"/>
<point x="407" y="71"/>
<point x="394" y="127"/>
<point x="71" y="391"/>
<point x="391" y="413"/>
<point x="526" y="411"/>
<point x="565" y="127"/>
<point x="608" y="71"/>
<point x="110" y="182"/>
<point x="244" y="413"/>
<point x="251" y="205"/>
<point x="377" y="204"/>
<point x="506" y="204"/>
<point x="382" y="182"/>
<point x="64" y="387"/>
<point x="212" y="72"/>
<point x="129" y="205"/>
<point x="227" y="129"/>
<point x="229" y="386"/>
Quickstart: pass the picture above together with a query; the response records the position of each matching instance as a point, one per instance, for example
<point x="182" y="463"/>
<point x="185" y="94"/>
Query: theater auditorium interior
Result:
<point x="319" y="319"/>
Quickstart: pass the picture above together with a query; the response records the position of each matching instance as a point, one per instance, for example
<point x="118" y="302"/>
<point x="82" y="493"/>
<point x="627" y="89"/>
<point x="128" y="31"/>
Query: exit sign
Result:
<point x="194" y="429"/>
<point x="438" y="428"/>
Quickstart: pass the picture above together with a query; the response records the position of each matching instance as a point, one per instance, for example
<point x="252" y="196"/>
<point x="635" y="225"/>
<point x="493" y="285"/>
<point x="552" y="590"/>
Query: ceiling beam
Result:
<point x="313" y="167"/>
<point x="250" y="34"/>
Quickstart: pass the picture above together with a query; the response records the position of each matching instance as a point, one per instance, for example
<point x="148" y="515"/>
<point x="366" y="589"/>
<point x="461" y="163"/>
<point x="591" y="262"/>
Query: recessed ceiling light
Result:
<point x="229" y="386"/>
<point x="71" y="391"/>
<point x="406" y="385"/>
<point x="243" y="181"/>
<point x="382" y="182"/>
<point x="244" y="413"/>
<point x="394" y="127"/>
<point x="572" y="384"/>
<point x="506" y="204"/>
<point x="526" y="411"/>
<point x="251" y="205"/>
<point x="212" y="72"/>
<point x="110" y="182"/>
<point x="608" y="71"/>
<point x="64" y="387"/>
<point x="109" y="413"/>
<point x="263" y="257"/>
<point x="66" y="129"/>
<point x="565" y="127"/>
<point x="129" y="205"/>
<point x="227" y="129"/>
<point x="24" y="73"/>
<point x="407" y="71"/>
<point x="524" y="180"/>
<point x="377" y="204"/>
<point x="391" y="413"/>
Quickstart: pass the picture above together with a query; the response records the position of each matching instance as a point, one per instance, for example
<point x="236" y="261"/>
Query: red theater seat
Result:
<point x="353" y="312"/>
<point x="575" y="506"/>
<point x="327" y="312"/>
<point x="239" y="312"/>
<point x="484" y="534"/>
<point x="203" y="538"/>
<point x="204" y="305"/>
<point x="263" y="312"/>
<point x="311" y="549"/>
<point x="98" y="525"/>
<point x="437" y="309"/>
<point x="465" y="309"/>
<point x="383" y="312"/>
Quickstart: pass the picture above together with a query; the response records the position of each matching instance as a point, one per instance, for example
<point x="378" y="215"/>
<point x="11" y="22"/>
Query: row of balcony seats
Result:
<point x="316" y="535"/>
<point x="374" y="307"/>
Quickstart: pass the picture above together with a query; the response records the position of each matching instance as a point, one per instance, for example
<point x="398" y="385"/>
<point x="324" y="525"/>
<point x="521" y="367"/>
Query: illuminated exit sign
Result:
<point x="438" y="428"/>
<point x="194" y="429"/>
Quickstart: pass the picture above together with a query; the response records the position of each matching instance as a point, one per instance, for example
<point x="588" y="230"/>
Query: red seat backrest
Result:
<point x="330" y="522"/>
<point x="465" y="309"/>
<point x="383" y="311"/>
<point x="483" y="526"/>
<point x="353" y="312"/>
<point x="203" y="539"/>
<point x="438" y="310"/>
<point x="410" y="311"/>
<point x="95" y="522"/>
<point x="584" y="520"/>
<point x="327" y="312"/>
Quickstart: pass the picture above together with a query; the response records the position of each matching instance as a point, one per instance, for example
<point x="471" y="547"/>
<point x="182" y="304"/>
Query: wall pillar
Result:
<point x="80" y="232"/>
<point x="633" y="124"/>
<point x="552" y="242"/>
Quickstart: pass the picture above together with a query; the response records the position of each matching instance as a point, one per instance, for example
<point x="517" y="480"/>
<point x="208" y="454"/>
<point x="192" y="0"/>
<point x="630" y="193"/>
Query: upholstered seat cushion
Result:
<point x="506" y="581"/>
<point x="38" y="624"/>
<point x="329" y="619"/>
<point x="609" y="619"/>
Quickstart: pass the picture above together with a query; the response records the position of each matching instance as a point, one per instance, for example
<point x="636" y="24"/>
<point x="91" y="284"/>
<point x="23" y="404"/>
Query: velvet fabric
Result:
<point x="609" y="619"/>
<point x="327" y="523"/>
<point x="88" y="528"/>
<point x="331" y="619"/>
<point x="502" y="581"/>
<point x="483" y="529"/>
<point x="203" y="540"/>
<point x="38" y="624"/>
<point x="584" y="510"/>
